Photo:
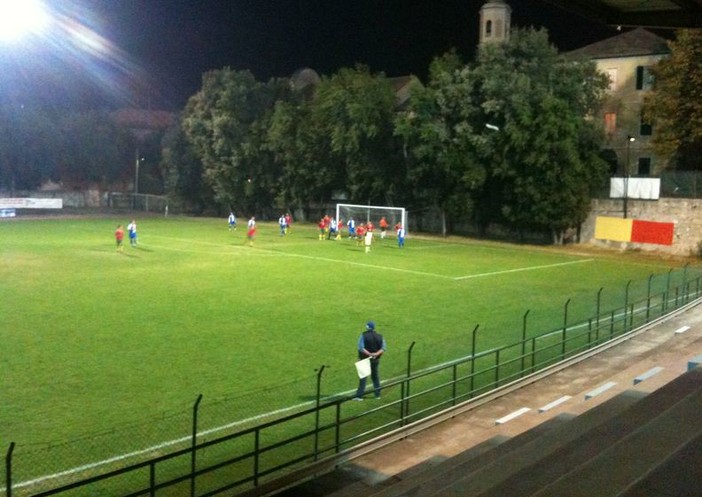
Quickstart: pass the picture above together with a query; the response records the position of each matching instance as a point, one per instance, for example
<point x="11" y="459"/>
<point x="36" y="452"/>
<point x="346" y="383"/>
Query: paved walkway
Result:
<point x="663" y="352"/>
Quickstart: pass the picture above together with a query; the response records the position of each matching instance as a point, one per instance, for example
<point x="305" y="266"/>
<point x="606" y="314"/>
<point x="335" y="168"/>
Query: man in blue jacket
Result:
<point x="370" y="344"/>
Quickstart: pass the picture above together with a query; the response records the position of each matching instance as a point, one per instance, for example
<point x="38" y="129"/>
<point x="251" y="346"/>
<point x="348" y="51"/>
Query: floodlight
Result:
<point x="19" y="18"/>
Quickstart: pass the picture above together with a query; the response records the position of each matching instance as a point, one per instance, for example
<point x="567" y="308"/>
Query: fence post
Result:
<point x="404" y="411"/>
<point x="524" y="333"/>
<point x="194" y="445"/>
<point x="667" y="291"/>
<point x="472" y="361"/>
<point x="8" y="470"/>
<point x="626" y="304"/>
<point x="686" y="289"/>
<point x="257" y="455"/>
<point x="316" y="413"/>
<point x="533" y="354"/>
<point x="597" y="325"/>
<point x="648" y="299"/>
<point x="454" y="390"/>
<point x="152" y="479"/>
<point x="565" y="328"/>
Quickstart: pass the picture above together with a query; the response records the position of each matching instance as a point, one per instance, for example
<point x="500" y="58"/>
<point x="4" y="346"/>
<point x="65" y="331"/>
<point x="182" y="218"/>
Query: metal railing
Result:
<point x="245" y="460"/>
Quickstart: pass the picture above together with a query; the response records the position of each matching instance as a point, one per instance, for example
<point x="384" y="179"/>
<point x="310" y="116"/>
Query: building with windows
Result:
<point x="627" y="58"/>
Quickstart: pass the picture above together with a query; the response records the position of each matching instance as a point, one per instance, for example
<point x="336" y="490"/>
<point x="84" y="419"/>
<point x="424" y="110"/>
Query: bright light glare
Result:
<point x="21" y="17"/>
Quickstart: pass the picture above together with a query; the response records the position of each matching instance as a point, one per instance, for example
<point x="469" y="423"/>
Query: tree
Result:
<point x="226" y="123"/>
<point x="354" y="111"/>
<point x="94" y="150"/>
<point x="674" y="106"/>
<point x="544" y="162"/>
<point x="441" y="131"/>
<point x="300" y="147"/>
<point x="182" y="170"/>
<point x="28" y="141"/>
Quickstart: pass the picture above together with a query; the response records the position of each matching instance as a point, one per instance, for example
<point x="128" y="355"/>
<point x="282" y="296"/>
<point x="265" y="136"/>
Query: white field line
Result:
<point x="262" y="416"/>
<point x="236" y="423"/>
<point x="227" y="426"/>
<point x="521" y="269"/>
<point x="151" y="449"/>
<point x="359" y="264"/>
<point x="243" y="247"/>
<point x="422" y="273"/>
<point x="170" y="443"/>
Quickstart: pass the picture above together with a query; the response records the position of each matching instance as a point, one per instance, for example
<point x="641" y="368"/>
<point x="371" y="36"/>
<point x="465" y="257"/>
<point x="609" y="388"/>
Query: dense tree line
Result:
<point x="76" y="149"/>
<point x="674" y="107"/>
<point x="260" y="144"/>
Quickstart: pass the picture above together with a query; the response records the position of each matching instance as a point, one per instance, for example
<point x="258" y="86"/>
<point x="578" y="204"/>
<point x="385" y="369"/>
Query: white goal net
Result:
<point x="362" y="214"/>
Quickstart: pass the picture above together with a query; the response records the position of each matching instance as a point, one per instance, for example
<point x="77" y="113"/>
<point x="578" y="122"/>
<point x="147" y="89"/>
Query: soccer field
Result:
<point x="116" y="347"/>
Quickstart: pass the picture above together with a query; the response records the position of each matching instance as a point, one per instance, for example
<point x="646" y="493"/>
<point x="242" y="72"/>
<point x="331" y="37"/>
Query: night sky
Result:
<point x="152" y="53"/>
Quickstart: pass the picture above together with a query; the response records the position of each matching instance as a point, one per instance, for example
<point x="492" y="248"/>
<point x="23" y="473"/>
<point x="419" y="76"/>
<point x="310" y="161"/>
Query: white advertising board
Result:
<point x="639" y="188"/>
<point x="31" y="203"/>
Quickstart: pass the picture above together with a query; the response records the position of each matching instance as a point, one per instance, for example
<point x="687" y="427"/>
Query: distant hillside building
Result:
<point x="627" y="58"/>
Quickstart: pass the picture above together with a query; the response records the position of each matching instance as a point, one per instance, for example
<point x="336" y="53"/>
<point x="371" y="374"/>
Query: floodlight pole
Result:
<point x="629" y="140"/>
<point x="136" y="173"/>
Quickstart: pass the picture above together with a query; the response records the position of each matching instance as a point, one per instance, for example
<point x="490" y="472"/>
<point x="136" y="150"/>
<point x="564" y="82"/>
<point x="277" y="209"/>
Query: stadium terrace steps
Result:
<point x="499" y="471"/>
<point x="464" y="463"/>
<point x="636" y="454"/>
<point x="630" y="445"/>
<point x="368" y="483"/>
<point x="624" y="451"/>
<point x="351" y="480"/>
<point x="618" y="430"/>
<point x="678" y="475"/>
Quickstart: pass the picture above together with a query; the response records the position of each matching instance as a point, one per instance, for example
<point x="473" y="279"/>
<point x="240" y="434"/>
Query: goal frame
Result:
<point x="368" y="209"/>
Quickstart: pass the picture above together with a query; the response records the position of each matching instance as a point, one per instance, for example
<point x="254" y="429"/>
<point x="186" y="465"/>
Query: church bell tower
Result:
<point x="495" y="20"/>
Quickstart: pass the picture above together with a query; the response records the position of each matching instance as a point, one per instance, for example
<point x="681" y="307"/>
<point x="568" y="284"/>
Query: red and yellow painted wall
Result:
<point x="633" y="230"/>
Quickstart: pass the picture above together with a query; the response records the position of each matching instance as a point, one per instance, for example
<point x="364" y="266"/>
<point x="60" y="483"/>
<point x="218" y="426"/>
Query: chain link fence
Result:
<point x="609" y="312"/>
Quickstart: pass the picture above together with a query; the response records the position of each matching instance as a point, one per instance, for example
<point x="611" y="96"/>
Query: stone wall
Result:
<point x="685" y="213"/>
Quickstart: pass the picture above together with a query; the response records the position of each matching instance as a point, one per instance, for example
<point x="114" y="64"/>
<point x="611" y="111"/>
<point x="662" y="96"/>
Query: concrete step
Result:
<point x="464" y="463"/>
<point x="549" y="467"/>
<point x="527" y="443"/>
<point x="677" y="476"/>
<point x="623" y="462"/>
<point x="529" y="469"/>
<point x="367" y="482"/>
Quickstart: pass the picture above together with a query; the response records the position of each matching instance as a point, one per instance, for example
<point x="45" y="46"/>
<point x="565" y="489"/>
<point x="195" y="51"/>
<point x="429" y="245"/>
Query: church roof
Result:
<point x="629" y="44"/>
<point x="645" y="13"/>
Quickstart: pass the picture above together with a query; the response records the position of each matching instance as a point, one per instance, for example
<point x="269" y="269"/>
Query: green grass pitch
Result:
<point x="93" y="341"/>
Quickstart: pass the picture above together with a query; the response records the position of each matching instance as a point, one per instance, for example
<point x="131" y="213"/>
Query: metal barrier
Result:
<point x="246" y="460"/>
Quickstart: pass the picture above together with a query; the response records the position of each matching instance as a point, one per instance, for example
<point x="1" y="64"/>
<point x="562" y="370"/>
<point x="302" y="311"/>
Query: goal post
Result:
<point x="364" y="213"/>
